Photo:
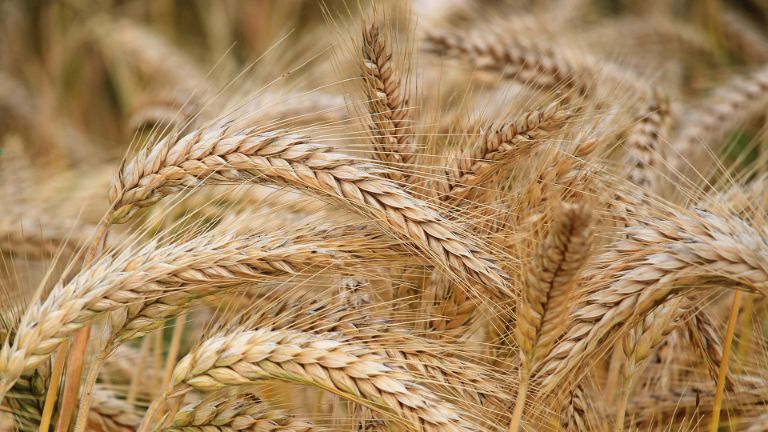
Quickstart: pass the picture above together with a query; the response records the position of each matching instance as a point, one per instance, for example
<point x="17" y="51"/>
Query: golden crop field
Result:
<point x="401" y="215"/>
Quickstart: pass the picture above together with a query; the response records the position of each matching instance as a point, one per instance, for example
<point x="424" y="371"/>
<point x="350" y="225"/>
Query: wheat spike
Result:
<point x="543" y="67"/>
<point x="111" y="414"/>
<point x="471" y="168"/>
<point x="351" y="371"/>
<point x="387" y="102"/>
<point x="743" y="38"/>
<point x="239" y="413"/>
<point x="644" y="146"/>
<point x="706" y="128"/>
<point x="705" y="336"/>
<point x="548" y="282"/>
<point x="573" y="413"/>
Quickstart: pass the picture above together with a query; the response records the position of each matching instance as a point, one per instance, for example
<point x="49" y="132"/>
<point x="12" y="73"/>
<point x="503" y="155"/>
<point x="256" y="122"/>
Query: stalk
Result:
<point x="133" y="390"/>
<point x="522" y="395"/>
<point x="173" y="351"/>
<point x="722" y="374"/>
<point x="53" y="389"/>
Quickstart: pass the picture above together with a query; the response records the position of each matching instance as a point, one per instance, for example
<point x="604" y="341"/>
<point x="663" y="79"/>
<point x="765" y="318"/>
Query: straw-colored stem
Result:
<point x="723" y="373"/>
<point x="522" y="395"/>
<point x="53" y="388"/>
<point x="173" y="350"/>
<point x="75" y="364"/>
<point x="157" y="359"/>
<point x="77" y="353"/>
<point x="151" y="413"/>
<point x="745" y="328"/>
<point x="133" y="389"/>
<point x="626" y="389"/>
<point x="81" y="421"/>
<point x="614" y="368"/>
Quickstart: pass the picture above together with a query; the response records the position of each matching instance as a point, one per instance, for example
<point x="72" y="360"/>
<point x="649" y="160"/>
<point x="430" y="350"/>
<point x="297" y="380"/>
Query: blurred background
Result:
<point x="73" y="73"/>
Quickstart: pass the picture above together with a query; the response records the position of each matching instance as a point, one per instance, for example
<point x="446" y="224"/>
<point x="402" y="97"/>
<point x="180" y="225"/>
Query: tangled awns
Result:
<point x="405" y="215"/>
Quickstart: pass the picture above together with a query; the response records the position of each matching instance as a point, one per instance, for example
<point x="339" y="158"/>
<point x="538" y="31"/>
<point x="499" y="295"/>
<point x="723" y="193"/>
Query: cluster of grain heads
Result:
<point x="127" y="284"/>
<point x="416" y="216"/>
<point x="237" y="156"/>
<point x="656" y="262"/>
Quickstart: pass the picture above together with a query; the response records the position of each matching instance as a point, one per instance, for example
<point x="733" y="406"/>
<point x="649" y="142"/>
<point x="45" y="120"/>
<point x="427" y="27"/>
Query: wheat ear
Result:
<point x="351" y="371"/>
<point x="387" y="100"/>
<point x="540" y="66"/>
<point x="548" y="283"/>
<point x="696" y="400"/>
<point x="644" y="146"/>
<point x="448" y="307"/>
<point x="470" y="168"/>
<point x="27" y="397"/>
<point x="640" y="342"/>
<point x="239" y="413"/>
<point x="549" y="280"/>
<point x="703" y="333"/>
<point x="330" y="246"/>
<point x="24" y="237"/>
<point x="471" y="380"/>
<point x="223" y="155"/>
<point x="111" y="414"/>
<point x="151" y="54"/>
<point x="573" y="416"/>
<point x="728" y="108"/>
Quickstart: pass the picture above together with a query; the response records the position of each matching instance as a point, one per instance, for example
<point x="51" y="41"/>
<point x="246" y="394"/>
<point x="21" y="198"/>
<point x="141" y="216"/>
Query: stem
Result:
<point x="723" y="372"/>
<point x="614" y="369"/>
<point x="626" y="389"/>
<point x="85" y="404"/>
<point x="133" y="390"/>
<point x="75" y="363"/>
<point x="318" y="403"/>
<point x="745" y="328"/>
<point x="53" y="389"/>
<point x="76" y="356"/>
<point x="173" y="351"/>
<point x="157" y="361"/>
<point x="522" y="394"/>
